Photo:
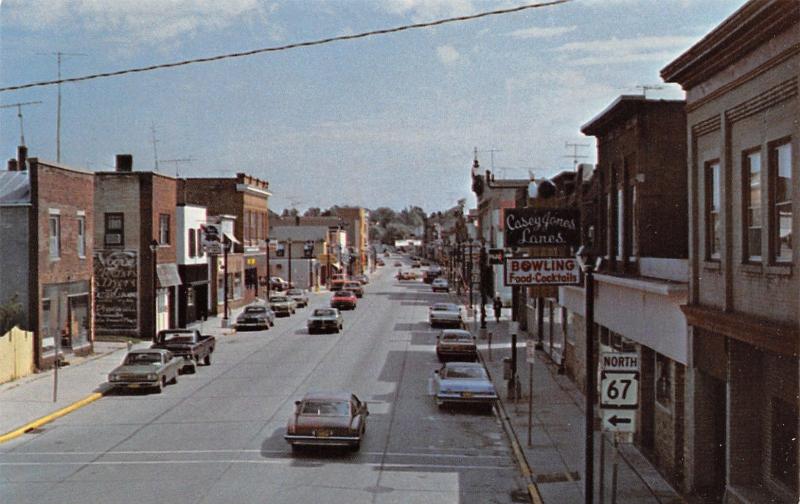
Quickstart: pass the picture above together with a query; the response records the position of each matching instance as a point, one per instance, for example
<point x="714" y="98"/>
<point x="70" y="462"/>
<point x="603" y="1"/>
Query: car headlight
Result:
<point x="152" y="376"/>
<point x="113" y="377"/>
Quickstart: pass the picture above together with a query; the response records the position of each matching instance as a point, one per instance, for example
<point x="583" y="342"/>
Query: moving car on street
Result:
<point x="445" y="314"/>
<point x="147" y="368"/>
<point x="355" y="287"/>
<point x="278" y="284"/>
<point x="283" y="306"/>
<point x="325" y="319"/>
<point x="327" y="419"/>
<point x="344" y="300"/>
<point x="300" y="297"/>
<point x="456" y="345"/>
<point x="440" y="284"/>
<point x="258" y="317"/>
<point x="463" y="383"/>
<point x="362" y="279"/>
<point x="187" y="343"/>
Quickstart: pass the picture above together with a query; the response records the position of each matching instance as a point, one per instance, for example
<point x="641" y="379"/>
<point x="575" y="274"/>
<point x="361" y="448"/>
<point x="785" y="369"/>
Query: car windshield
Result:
<point x="279" y="299"/>
<point x="456" y="337"/>
<point x="325" y="408"/>
<point x="255" y="309"/>
<point x="321" y="312"/>
<point x="464" y="372"/>
<point x="343" y="294"/>
<point x="180" y="337"/>
<point x="143" y="358"/>
<point x="294" y="292"/>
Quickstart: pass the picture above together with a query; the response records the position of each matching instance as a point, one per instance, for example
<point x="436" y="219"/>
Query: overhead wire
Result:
<point x="286" y="47"/>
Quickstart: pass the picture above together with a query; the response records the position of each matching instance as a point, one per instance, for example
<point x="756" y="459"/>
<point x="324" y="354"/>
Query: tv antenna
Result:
<point x="19" y="114"/>
<point x="646" y="87"/>
<point x="59" y="56"/>
<point x="177" y="162"/>
<point x="155" y="141"/>
<point x="575" y="156"/>
<point x="491" y="154"/>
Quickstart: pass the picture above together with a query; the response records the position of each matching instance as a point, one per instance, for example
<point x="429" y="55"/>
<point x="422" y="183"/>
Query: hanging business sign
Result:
<point x="541" y="227"/>
<point x="527" y="271"/>
<point x="211" y="238"/>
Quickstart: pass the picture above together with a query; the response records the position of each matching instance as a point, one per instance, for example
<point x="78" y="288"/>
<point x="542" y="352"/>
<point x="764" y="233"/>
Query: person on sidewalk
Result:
<point x="498" y="307"/>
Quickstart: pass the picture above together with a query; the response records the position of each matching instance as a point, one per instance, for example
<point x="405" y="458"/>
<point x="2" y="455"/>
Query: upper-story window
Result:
<point x="163" y="229"/>
<point x="751" y="202"/>
<point x="114" y="232"/>
<point x="713" y="229"/>
<point x="55" y="236"/>
<point x="634" y="228"/>
<point x="780" y="178"/>
<point x="620" y="222"/>
<point x="81" y="236"/>
<point x="199" y="245"/>
<point x="192" y="244"/>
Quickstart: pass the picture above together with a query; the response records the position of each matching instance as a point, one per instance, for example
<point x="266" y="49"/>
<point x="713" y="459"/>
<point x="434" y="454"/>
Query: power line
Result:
<point x="288" y="46"/>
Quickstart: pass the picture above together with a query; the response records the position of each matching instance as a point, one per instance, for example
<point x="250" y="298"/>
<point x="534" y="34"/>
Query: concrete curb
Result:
<point x="49" y="418"/>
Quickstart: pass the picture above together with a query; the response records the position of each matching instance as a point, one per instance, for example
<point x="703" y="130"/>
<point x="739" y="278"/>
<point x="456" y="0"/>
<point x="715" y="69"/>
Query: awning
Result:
<point x="232" y="238"/>
<point x="168" y="275"/>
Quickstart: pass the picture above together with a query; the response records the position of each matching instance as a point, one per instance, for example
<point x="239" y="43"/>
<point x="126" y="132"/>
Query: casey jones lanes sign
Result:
<point x="541" y="227"/>
<point x="541" y="271"/>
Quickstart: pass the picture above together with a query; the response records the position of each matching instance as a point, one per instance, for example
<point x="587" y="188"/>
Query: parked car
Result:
<point x="282" y="305"/>
<point x="445" y="314"/>
<point x="300" y="297"/>
<point x="463" y="383"/>
<point x="327" y="419"/>
<point x="428" y="276"/>
<point x="146" y="368"/>
<point x="381" y="262"/>
<point x="362" y="279"/>
<point x="278" y="284"/>
<point x="355" y="287"/>
<point x="406" y="275"/>
<point x="344" y="300"/>
<point x="456" y="344"/>
<point x="256" y="317"/>
<point x="325" y="319"/>
<point x="416" y="264"/>
<point x="440" y="284"/>
<point x="398" y="264"/>
<point x="187" y="343"/>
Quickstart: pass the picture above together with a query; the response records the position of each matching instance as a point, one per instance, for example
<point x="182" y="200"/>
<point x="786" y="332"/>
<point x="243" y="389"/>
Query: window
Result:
<point x="751" y="203"/>
<point x="199" y="245"/>
<point x="114" y="235"/>
<point x="780" y="171"/>
<point x="620" y="222"/>
<point x="713" y="223"/>
<point x="609" y="221"/>
<point x="634" y="228"/>
<point x="192" y="247"/>
<point x="163" y="229"/>
<point x="190" y="296"/>
<point x="783" y="463"/>
<point x="246" y="225"/>
<point x="81" y="236"/>
<point x="55" y="236"/>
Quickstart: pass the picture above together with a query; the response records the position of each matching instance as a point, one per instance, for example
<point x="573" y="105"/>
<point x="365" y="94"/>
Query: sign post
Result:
<point x="530" y="358"/>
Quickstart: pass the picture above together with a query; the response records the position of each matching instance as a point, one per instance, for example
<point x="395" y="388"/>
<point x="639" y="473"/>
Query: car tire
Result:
<point x="355" y="446"/>
<point x="161" y="384"/>
<point x="296" y="448"/>
<point x="174" y="380"/>
<point x="207" y="360"/>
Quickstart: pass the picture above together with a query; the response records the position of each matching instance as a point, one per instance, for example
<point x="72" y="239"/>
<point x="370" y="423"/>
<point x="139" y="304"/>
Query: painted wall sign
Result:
<point x="116" y="290"/>
<point x="541" y="271"/>
<point x="541" y="227"/>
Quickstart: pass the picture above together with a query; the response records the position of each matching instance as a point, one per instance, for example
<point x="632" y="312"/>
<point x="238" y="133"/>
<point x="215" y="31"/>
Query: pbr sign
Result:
<point x="521" y="271"/>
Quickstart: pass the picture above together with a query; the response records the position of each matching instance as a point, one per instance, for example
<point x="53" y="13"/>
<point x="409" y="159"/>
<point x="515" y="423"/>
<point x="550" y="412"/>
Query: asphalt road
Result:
<point x="217" y="436"/>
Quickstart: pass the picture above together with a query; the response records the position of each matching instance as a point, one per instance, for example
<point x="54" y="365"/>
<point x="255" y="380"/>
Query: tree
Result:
<point x="290" y="212"/>
<point x="313" y="212"/>
<point x="11" y="314"/>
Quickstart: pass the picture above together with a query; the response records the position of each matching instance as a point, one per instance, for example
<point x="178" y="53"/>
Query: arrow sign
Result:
<point x="615" y="420"/>
<point x="619" y="420"/>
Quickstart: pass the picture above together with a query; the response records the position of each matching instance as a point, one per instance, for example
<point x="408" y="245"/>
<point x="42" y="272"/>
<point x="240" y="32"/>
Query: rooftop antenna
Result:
<point x="177" y="162"/>
<point x="575" y="156"/>
<point x="155" y="141"/>
<point x="19" y="114"/>
<point x="646" y="87"/>
<point x="59" y="56"/>
<point x="491" y="154"/>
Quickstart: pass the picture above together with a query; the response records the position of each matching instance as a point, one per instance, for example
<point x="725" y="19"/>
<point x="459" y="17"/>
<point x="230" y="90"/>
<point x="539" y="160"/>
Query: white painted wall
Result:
<point x="188" y="217"/>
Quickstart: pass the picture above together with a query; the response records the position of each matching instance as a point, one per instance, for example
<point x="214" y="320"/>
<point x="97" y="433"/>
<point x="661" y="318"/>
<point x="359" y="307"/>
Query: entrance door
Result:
<point x="78" y="314"/>
<point x="712" y="432"/>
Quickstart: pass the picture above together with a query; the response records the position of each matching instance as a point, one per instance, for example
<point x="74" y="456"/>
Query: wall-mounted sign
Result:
<point x="523" y="271"/>
<point x="211" y="236"/>
<point x="116" y="290"/>
<point x="541" y="227"/>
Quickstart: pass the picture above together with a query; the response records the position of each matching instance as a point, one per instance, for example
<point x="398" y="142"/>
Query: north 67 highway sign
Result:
<point x="619" y="389"/>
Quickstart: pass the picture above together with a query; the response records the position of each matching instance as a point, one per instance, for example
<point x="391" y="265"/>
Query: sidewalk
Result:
<point x="556" y="454"/>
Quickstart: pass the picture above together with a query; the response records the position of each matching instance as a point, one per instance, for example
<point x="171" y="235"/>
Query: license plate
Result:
<point x="466" y="394"/>
<point x="323" y="434"/>
<point x="135" y="385"/>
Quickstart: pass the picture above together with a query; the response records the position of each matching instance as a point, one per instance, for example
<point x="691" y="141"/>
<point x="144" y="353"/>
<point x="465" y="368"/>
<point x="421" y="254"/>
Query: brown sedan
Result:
<point x="327" y="419"/>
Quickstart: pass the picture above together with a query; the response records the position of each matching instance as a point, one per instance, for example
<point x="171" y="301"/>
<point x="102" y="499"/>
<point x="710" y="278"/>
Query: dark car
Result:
<point x="456" y="344"/>
<point x="187" y="343"/>
<point x="255" y="317"/>
<point x="344" y="300"/>
<point x="146" y="368"/>
<point x="327" y="419"/>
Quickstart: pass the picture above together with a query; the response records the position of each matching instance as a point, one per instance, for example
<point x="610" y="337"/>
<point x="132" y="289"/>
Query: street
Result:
<point x="217" y="436"/>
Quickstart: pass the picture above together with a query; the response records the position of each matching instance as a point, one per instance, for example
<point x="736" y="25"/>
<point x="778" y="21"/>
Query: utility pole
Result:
<point x="575" y="156"/>
<point x="177" y="162"/>
<point x="155" y="141"/>
<point x="59" y="57"/>
<point x="19" y="115"/>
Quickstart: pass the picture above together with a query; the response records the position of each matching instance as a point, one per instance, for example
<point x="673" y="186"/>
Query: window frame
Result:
<point x="747" y="205"/>
<point x="106" y="218"/>
<point x="191" y="243"/>
<point x="163" y="229"/>
<point x="709" y="210"/>
<point x="81" y="238"/>
<point x="772" y="204"/>
<point x="54" y="236"/>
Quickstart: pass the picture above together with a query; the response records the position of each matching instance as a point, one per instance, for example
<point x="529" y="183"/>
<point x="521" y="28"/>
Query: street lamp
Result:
<point x="483" y="267"/>
<point x="469" y="276"/>
<point x="154" y="250"/>
<point x="585" y="258"/>
<point x="269" y="274"/>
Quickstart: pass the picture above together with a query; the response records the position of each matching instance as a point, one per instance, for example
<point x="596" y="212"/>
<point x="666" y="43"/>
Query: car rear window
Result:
<point x="343" y="294"/>
<point x="143" y="358"/>
<point x="323" y="313"/>
<point x="456" y="337"/>
<point x="325" y="408"/>
<point x="279" y="299"/>
<point x="255" y="309"/>
<point x="464" y="372"/>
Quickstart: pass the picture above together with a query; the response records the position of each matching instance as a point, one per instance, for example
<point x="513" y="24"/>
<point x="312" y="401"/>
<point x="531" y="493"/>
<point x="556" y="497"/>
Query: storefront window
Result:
<point x="783" y="454"/>
<point x="663" y="381"/>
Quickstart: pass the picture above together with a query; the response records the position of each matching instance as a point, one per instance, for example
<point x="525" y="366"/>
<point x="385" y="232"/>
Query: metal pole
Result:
<point x="614" y="470"/>
<point x="57" y="337"/>
<point x="289" y="246"/>
<point x="601" y="476"/>
<point x="225" y="280"/>
<point x="540" y="323"/>
<point x="469" y="279"/>
<point x="269" y="273"/>
<point x="591" y="389"/>
<point x="310" y="284"/>
<point x="154" y="249"/>
<point x="328" y="266"/>
<point x="483" y="266"/>
<point x="530" y="403"/>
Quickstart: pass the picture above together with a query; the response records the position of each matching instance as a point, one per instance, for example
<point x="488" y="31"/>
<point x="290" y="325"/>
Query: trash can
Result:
<point x="507" y="368"/>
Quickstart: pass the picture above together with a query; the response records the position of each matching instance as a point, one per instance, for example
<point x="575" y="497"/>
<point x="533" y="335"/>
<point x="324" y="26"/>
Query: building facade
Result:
<point x="194" y="294"/>
<point x="741" y="83"/>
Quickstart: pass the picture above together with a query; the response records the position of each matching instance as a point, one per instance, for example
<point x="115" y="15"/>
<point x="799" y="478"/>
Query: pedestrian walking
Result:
<point x="498" y="307"/>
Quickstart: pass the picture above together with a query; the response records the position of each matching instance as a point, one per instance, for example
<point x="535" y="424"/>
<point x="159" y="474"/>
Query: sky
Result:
<point x="383" y="121"/>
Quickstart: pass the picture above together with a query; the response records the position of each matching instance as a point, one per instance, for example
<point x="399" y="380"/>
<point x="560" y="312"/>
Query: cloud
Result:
<point x="448" y="54"/>
<point x="627" y="50"/>
<point x="426" y="10"/>
<point x="148" y="21"/>
<point x="541" y="32"/>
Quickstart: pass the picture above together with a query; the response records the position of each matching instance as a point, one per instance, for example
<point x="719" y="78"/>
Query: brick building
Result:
<point x="741" y="83"/>
<point x="135" y="255"/>
<point x="47" y="215"/>
<point x="245" y="199"/>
